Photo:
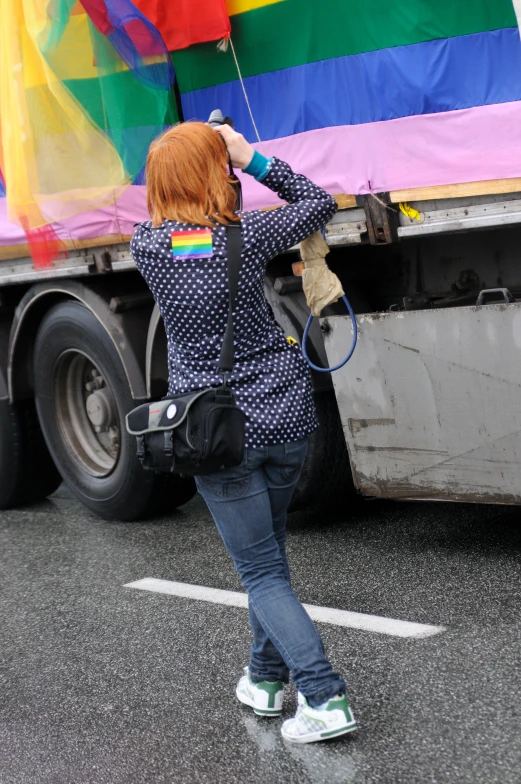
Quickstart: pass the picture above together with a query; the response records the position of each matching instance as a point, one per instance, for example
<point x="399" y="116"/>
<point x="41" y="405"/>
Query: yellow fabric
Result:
<point x="409" y="211"/>
<point x="56" y="162"/>
<point x="321" y="285"/>
<point x="73" y="58"/>
<point x="240" y="6"/>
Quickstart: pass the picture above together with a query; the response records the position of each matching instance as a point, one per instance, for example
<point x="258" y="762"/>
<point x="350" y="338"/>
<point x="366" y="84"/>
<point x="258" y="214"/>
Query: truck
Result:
<point x="410" y="118"/>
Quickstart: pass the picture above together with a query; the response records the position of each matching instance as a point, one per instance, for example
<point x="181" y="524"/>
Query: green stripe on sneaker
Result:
<point x="272" y="688"/>
<point x="343" y="705"/>
<point x="339" y="731"/>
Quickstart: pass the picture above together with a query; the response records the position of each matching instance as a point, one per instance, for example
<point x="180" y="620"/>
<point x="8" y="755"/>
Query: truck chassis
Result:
<point x="427" y="407"/>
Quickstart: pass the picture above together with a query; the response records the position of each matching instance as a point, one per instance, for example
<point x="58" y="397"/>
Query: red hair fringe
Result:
<point x="187" y="177"/>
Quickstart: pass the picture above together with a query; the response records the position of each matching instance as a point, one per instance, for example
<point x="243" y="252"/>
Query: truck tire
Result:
<point x="82" y="397"/>
<point x="169" y="487"/>
<point x="27" y="472"/>
<point x="326" y="478"/>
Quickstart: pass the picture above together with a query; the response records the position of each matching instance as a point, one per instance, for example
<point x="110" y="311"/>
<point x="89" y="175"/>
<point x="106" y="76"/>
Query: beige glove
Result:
<point x="321" y="286"/>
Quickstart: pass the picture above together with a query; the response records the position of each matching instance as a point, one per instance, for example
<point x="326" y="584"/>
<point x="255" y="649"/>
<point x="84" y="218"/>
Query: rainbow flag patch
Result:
<point x="192" y="244"/>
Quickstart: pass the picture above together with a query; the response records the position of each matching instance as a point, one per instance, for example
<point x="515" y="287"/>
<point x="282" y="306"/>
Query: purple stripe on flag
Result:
<point x="182" y="256"/>
<point x="469" y="145"/>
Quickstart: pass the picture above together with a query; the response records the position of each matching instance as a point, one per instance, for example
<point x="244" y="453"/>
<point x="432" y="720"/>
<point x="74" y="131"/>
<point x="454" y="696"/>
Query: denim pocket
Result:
<point x="294" y="455"/>
<point x="297" y="446"/>
<point x="225" y="488"/>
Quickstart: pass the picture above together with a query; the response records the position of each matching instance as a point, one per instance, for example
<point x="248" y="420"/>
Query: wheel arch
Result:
<point x="4" y="348"/>
<point x="124" y="330"/>
<point x="156" y="356"/>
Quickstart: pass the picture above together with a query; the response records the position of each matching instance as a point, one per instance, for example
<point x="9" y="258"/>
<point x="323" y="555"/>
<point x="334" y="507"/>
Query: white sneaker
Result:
<point x="309" y="724"/>
<point x="265" y="697"/>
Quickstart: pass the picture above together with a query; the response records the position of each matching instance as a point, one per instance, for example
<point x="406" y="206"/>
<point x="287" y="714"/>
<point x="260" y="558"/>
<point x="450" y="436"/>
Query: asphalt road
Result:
<point x="109" y="685"/>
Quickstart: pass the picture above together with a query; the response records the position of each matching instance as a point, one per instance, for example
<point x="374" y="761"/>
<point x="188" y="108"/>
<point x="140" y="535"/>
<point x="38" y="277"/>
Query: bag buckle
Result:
<point x="140" y="447"/>
<point x="169" y="443"/>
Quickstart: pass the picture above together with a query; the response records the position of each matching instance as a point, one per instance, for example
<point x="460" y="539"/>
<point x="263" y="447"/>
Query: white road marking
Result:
<point x="353" y="620"/>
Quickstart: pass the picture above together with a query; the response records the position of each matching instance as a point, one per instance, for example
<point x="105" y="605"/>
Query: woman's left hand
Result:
<point x="239" y="150"/>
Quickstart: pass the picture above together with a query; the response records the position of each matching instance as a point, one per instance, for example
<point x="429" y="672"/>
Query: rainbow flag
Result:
<point x="186" y="22"/>
<point x="369" y="97"/>
<point x="78" y="107"/>
<point x="196" y="244"/>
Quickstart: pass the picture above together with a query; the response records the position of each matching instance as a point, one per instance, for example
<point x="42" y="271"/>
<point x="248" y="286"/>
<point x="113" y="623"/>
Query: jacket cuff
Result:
<point x="258" y="167"/>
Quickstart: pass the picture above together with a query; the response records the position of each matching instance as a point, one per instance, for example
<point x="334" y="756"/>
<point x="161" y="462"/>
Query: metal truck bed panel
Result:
<point x="430" y="406"/>
<point x="79" y="263"/>
<point x="451" y="215"/>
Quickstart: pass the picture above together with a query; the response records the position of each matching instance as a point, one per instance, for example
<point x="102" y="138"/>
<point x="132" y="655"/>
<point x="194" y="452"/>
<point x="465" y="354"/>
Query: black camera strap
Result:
<point x="233" y="266"/>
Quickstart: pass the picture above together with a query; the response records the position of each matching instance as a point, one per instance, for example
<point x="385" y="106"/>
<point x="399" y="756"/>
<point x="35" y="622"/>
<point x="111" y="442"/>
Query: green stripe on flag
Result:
<point x="138" y="106"/>
<point x="295" y="32"/>
<point x="131" y="113"/>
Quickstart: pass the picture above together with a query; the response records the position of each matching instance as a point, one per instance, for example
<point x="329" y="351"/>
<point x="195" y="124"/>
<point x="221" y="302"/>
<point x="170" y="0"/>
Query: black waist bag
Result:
<point x="199" y="432"/>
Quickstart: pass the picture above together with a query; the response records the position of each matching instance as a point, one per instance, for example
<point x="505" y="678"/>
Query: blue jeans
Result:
<point x="249" y="505"/>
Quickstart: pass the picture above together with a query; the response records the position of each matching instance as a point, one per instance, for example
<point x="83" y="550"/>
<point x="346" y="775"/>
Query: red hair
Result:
<point x="187" y="179"/>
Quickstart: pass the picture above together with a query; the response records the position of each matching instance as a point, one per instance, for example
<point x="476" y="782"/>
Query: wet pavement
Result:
<point x="108" y="685"/>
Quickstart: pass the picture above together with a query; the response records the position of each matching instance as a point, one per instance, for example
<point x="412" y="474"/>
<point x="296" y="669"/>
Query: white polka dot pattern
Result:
<point x="271" y="380"/>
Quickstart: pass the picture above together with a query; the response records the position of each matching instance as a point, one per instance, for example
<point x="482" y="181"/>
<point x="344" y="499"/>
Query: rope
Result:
<point x="114" y="198"/>
<point x="223" y="45"/>
<point x="383" y="204"/>
<point x="246" y="95"/>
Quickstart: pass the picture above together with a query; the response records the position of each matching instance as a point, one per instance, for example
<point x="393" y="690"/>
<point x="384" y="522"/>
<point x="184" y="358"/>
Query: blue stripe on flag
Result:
<point x="435" y="76"/>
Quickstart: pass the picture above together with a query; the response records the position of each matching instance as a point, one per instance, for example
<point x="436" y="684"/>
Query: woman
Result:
<point x="189" y="188"/>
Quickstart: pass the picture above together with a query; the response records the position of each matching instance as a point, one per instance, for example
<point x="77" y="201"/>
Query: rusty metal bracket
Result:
<point x="381" y="217"/>
<point x="103" y="261"/>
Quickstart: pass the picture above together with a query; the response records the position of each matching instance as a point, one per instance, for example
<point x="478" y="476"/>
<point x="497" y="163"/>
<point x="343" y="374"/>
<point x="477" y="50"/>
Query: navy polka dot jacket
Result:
<point x="271" y="380"/>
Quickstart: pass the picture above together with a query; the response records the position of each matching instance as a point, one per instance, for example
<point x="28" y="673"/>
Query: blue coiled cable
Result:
<point x="351" y="350"/>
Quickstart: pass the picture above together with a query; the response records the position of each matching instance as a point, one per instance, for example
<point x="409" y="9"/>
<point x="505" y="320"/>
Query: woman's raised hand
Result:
<point x="239" y="150"/>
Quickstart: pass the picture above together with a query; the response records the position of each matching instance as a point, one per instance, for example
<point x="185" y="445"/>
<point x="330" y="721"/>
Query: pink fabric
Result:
<point x="131" y="208"/>
<point x="10" y="233"/>
<point x="482" y="143"/>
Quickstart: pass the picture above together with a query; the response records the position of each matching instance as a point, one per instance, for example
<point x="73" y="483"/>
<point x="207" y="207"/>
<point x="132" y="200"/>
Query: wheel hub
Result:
<point x="101" y="409"/>
<point x="87" y="413"/>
